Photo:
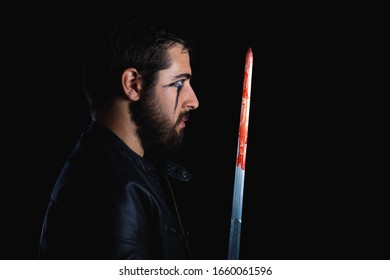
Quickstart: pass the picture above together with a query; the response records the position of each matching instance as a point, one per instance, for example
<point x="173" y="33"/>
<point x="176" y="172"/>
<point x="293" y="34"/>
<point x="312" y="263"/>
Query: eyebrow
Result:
<point x="180" y="76"/>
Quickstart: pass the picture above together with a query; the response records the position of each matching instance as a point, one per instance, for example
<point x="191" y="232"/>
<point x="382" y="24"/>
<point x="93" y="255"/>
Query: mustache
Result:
<point x="185" y="115"/>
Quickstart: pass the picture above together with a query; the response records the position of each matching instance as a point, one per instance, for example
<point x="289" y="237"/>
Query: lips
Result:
<point x="183" y="120"/>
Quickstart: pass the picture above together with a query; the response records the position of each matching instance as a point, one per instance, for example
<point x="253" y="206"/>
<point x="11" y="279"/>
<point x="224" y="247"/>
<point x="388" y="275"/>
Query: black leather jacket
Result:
<point x="110" y="203"/>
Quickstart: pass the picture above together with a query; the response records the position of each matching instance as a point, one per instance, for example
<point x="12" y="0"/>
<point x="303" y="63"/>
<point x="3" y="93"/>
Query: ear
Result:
<point x="132" y="83"/>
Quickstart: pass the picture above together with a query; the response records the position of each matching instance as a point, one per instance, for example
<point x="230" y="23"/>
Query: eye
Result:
<point x="179" y="84"/>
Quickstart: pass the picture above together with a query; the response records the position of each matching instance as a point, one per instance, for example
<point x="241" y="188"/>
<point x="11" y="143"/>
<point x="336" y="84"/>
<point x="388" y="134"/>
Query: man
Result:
<point x="113" y="199"/>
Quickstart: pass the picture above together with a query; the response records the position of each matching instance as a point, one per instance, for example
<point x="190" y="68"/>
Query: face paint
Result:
<point x="178" y="85"/>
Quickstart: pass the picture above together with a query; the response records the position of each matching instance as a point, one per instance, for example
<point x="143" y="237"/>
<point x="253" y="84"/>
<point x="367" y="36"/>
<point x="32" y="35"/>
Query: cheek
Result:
<point x="170" y="104"/>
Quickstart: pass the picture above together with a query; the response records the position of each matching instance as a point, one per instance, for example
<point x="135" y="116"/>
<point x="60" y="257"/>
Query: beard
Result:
<point x="157" y="133"/>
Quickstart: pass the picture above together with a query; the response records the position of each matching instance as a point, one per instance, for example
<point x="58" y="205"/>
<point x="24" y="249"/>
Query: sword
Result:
<point x="238" y="192"/>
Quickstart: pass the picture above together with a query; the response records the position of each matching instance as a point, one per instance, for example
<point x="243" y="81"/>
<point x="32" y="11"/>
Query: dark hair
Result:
<point x="125" y="40"/>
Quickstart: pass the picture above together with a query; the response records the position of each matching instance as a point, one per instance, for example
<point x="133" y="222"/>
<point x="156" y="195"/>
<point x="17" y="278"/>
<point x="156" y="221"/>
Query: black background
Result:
<point x="315" y="185"/>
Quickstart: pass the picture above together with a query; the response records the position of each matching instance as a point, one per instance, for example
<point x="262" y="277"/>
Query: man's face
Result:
<point x="161" y="116"/>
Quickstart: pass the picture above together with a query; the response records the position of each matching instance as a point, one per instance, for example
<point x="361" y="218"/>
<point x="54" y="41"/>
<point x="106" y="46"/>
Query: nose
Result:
<point x="192" y="101"/>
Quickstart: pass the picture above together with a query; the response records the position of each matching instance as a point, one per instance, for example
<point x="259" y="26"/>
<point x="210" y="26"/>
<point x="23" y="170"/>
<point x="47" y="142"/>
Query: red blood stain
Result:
<point x="244" y="117"/>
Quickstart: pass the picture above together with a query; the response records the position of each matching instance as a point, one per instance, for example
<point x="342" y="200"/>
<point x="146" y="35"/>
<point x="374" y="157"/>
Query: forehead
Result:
<point x="180" y="61"/>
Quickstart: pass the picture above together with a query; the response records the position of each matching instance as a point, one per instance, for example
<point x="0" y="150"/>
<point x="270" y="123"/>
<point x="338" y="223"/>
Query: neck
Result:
<point x="117" y="119"/>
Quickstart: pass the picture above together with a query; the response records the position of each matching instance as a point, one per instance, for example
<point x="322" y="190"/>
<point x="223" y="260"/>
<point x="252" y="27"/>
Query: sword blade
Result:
<point x="238" y="192"/>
